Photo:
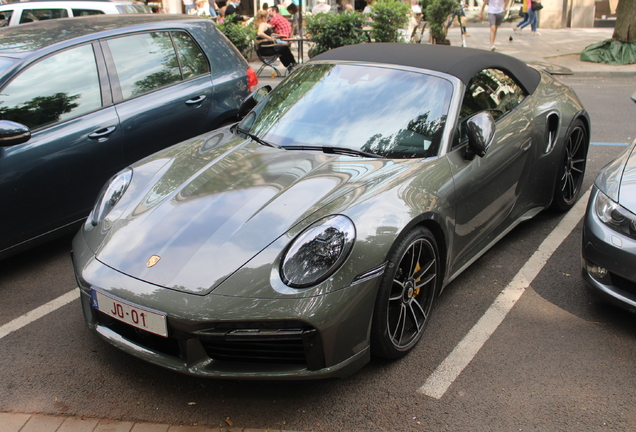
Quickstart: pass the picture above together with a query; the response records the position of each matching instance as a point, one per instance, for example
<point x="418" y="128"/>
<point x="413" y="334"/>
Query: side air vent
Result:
<point x="552" y="131"/>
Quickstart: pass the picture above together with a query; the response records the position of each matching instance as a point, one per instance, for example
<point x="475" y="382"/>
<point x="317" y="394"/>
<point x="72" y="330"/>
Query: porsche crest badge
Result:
<point x="153" y="260"/>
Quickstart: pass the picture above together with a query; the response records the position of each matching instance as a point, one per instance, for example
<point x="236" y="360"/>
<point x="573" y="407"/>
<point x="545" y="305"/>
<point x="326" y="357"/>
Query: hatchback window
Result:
<point x="144" y="62"/>
<point x="86" y="12"/>
<point x="60" y="87"/>
<point x="5" y="17"/>
<point x="193" y="61"/>
<point x="34" y="15"/>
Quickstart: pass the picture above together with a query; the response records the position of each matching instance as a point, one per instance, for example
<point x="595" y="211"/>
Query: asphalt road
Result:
<point x="559" y="361"/>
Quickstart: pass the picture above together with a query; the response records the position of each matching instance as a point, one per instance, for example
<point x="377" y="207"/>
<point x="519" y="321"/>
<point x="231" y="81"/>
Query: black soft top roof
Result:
<point x="462" y="63"/>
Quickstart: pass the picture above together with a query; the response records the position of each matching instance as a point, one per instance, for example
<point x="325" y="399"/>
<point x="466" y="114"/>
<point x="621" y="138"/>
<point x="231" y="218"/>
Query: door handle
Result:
<point x="526" y="145"/>
<point x="102" y="134"/>
<point x="196" y="101"/>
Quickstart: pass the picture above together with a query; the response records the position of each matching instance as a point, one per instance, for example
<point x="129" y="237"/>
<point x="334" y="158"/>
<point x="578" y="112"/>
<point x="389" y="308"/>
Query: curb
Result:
<point x="19" y="422"/>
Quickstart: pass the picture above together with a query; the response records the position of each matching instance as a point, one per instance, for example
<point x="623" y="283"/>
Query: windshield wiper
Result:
<point x="334" y="150"/>
<point x="257" y="139"/>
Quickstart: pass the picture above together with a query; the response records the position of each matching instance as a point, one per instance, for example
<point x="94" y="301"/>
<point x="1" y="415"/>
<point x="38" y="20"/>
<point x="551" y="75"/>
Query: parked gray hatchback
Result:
<point x="82" y="98"/>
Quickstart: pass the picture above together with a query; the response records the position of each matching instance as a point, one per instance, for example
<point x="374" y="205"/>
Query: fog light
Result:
<point x="599" y="273"/>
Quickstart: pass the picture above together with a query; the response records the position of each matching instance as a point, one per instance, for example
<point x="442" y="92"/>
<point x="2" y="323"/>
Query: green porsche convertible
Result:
<point x="319" y="229"/>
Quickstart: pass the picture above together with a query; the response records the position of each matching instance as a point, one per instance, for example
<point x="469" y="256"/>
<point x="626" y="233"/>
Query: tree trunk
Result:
<point x="625" y="29"/>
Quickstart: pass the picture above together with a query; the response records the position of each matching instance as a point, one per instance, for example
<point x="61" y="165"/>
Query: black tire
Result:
<point x="571" y="168"/>
<point x="406" y="294"/>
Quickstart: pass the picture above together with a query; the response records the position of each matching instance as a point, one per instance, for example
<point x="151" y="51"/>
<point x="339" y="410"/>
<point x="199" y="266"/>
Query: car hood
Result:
<point x="627" y="191"/>
<point x="205" y="217"/>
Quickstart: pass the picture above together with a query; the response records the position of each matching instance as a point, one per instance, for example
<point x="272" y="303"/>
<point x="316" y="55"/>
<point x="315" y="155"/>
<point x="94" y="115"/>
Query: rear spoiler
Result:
<point x="551" y="68"/>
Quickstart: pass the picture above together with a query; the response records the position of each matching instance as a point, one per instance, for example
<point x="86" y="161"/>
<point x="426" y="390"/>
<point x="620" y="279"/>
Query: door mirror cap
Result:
<point x="480" y="129"/>
<point x="12" y="133"/>
<point x="253" y="99"/>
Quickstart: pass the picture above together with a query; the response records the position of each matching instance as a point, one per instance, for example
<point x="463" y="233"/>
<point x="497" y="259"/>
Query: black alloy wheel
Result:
<point x="572" y="168"/>
<point x="406" y="294"/>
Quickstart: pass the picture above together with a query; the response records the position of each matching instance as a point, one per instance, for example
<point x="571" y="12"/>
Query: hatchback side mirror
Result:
<point x="253" y="99"/>
<point x="12" y="133"/>
<point x="480" y="129"/>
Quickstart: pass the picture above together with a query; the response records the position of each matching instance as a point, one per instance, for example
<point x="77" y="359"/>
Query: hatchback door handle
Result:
<point x="196" y="101"/>
<point x="102" y="134"/>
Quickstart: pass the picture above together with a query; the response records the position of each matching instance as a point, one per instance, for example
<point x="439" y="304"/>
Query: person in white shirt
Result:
<point x="189" y="6"/>
<point x="496" y="11"/>
<point x="321" y="7"/>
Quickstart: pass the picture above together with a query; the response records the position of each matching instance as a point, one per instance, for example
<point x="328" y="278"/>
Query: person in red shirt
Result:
<point x="279" y="23"/>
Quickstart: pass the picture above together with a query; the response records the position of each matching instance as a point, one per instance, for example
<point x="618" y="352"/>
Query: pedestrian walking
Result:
<point x="461" y="17"/>
<point x="524" y="14"/>
<point x="496" y="10"/>
<point x="535" y="7"/>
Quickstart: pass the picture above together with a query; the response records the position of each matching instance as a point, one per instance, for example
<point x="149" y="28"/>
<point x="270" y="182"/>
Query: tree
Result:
<point x="330" y="31"/>
<point x="241" y="36"/>
<point x="625" y="28"/>
<point x="437" y="13"/>
<point x="389" y="16"/>
<point x="621" y="49"/>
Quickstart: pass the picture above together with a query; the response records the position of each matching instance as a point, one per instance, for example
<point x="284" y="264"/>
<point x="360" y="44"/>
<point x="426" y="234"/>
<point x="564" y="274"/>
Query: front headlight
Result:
<point x="615" y="216"/>
<point x="111" y="194"/>
<point x="318" y="251"/>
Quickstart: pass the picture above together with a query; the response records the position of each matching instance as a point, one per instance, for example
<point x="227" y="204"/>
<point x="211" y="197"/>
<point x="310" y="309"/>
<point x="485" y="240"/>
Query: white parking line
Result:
<point x="38" y="313"/>
<point x="447" y="372"/>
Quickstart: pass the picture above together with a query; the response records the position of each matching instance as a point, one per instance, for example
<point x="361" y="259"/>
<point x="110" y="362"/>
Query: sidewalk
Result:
<point x="556" y="46"/>
<point x="12" y="422"/>
<point x="559" y="47"/>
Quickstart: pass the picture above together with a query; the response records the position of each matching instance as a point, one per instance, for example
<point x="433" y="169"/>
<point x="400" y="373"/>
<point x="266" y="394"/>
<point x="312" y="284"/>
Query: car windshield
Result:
<point x="389" y="112"/>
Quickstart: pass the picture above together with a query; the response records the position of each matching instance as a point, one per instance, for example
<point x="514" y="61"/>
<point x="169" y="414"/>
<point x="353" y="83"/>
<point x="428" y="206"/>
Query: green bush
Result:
<point x="424" y="4"/>
<point x="330" y="31"/>
<point x="241" y="36"/>
<point x="389" y="16"/>
<point x="437" y="13"/>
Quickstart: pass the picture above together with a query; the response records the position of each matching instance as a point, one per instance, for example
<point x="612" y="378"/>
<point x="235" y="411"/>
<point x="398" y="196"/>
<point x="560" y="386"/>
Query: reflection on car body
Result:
<point x="321" y="228"/>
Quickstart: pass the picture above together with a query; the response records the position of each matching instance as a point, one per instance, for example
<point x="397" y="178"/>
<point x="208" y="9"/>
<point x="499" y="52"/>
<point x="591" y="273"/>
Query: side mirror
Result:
<point x="480" y="129"/>
<point x="253" y="99"/>
<point x="634" y="97"/>
<point x="12" y="133"/>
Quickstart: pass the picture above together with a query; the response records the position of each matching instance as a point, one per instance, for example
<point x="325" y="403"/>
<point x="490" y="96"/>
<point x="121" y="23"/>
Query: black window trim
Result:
<point x="117" y="93"/>
<point x="464" y="142"/>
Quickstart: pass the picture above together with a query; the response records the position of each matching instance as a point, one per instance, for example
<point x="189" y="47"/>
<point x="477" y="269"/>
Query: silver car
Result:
<point x="609" y="232"/>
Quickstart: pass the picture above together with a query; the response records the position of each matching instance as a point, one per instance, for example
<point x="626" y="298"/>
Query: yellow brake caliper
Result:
<point x="417" y="290"/>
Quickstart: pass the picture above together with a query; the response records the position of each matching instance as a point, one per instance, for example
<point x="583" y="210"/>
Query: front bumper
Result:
<point x="235" y="337"/>
<point x="606" y="248"/>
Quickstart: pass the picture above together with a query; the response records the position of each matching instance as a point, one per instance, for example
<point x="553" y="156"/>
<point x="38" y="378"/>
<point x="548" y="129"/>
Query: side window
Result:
<point x="33" y="15"/>
<point x="490" y="90"/>
<point x="193" y="61"/>
<point x="86" y="12"/>
<point x="5" y="18"/>
<point x="144" y="62"/>
<point x="55" y="89"/>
